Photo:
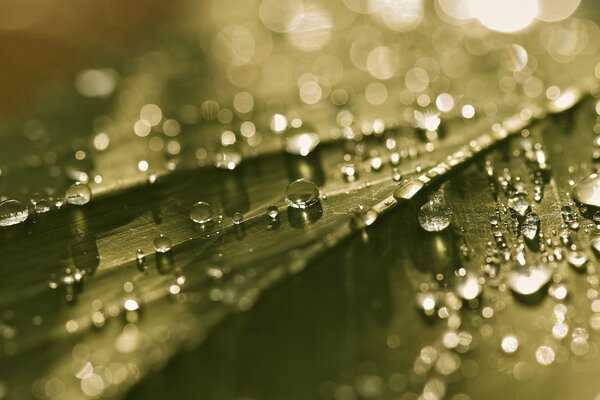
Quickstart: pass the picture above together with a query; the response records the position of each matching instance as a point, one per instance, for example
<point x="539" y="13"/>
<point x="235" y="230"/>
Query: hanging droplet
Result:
<point x="519" y="204"/>
<point x="140" y="260"/>
<point x="577" y="260"/>
<point x="301" y="194"/>
<point x="12" y="212"/>
<point x="434" y="216"/>
<point x="201" y="212"/>
<point x="587" y="191"/>
<point x="273" y="211"/>
<point x="79" y="194"/>
<point x="162" y="243"/>
<point x="527" y="281"/>
<point x="531" y="226"/>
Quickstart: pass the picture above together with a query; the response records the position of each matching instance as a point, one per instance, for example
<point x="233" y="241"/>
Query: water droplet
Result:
<point x="587" y="191"/>
<point x="228" y="159"/>
<point x="596" y="245"/>
<point x="407" y="189"/>
<point x="426" y="302"/>
<point x="201" y="212"/>
<point x="510" y="344"/>
<point x="434" y="216"/>
<point x="162" y="243"/>
<point x="79" y="194"/>
<point x="519" y="204"/>
<point x="349" y="172"/>
<point x="41" y="206"/>
<point x="577" y="259"/>
<point x="302" y="143"/>
<point x="468" y="287"/>
<point x="528" y="281"/>
<point x="301" y="194"/>
<point x="396" y="175"/>
<point x="238" y="218"/>
<point x="531" y="226"/>
<point x="12" y="212"/>
<point x="544" y="355"/>
<point x="273" y="211"/>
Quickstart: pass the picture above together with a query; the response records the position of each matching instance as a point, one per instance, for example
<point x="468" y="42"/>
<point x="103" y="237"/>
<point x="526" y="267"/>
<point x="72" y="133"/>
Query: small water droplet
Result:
<point x="41" y="206"/>
<point x="201" y="212"/>
<point x="162" y="243"/>
<point x="396" y="175"/>
<point x="12" y="212"/>
<point x="238" y="218"/>
<point x="273" y="211"/>
<point x="301" y="193"/>
<point x="79" y="194"/>
<point x="531" y="226"/>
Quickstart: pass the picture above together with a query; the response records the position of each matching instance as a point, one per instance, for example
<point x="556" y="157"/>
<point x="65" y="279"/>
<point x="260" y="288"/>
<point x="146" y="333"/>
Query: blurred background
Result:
<point x="150" y="246"/>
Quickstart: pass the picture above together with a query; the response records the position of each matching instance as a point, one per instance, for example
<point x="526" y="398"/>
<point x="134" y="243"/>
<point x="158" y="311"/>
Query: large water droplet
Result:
<point x="162" y="243"/>
<point x="434" y="216"/>
<point x="79" y="194"/>
<point x="12" y="212"/>
<point x="528" y="280"/>
<point x="519" y="204"/>
<point x="201" y="213"/>
<point x="301" y="194"/>
<point x="587" y="191"/>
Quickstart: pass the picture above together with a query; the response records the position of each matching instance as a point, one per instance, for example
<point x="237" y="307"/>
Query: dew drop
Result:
<point x="408" y="188"/>
<point x="273" y="211"/>
<point x="544" y="355"/>
<point x="396" y="175"/>
<point x="162" y="243"/>
<point x="509" y="344"/>
<point x="79" y="194"/>
<point x="434" y="216"/>
<point x="528" y="280"/>
<point x="577" y="259"/>
<point x="12" y="212"/>
<point x="238" y="218"/>
<point x="587" y="191"/>
<point x="531" y="226"/>
<point x="519" y="204"/>
<point x="201" y="212"/>
<point x="301" y="193"/>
